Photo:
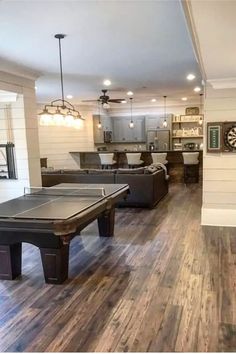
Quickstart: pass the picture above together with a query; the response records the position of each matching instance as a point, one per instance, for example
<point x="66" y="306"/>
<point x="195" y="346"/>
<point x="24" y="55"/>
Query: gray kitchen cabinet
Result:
<point x="106" y="126"/>
<point x="139" y="129"/>
<point x="119" y="129"/>
<point x="106" y="123"/>
<point x="152" y="122"/>
<point x="123" y="133"/>
<point x="156" y="122"/>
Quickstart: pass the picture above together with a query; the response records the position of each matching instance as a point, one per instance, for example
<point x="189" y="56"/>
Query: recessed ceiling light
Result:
<point x="191" y="77"/>
<point x="153" y="100"/>
<point x="35" y="87"/>
<point x="69" y="97"/>
<point x="184" y="99"/>
<point x="107" y="82"/>
<point x="123" y="101"/>
<point x="130" y="93"/>
<point x="197" y="89"/>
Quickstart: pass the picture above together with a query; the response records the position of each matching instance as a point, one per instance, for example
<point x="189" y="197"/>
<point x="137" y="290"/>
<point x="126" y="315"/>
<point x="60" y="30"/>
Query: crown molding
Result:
<point x="219" y="84"/>
<point x="189" y="17"/>
<point x="13" y="68"/>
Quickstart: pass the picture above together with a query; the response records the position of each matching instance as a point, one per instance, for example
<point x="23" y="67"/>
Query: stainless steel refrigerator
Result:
<point x="160" y="138"/>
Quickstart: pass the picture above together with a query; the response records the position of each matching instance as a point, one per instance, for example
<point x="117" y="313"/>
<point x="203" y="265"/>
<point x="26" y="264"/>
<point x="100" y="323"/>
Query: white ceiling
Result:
<point x="216" y="30"/>
<point x="141" y="45"/>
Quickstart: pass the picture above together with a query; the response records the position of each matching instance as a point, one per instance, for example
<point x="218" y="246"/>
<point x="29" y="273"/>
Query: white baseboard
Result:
<point x="218" y="217"/>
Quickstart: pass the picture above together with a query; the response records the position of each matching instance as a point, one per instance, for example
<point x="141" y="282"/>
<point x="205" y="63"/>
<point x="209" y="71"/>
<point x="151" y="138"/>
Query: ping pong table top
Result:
<point x="60" y="202"/>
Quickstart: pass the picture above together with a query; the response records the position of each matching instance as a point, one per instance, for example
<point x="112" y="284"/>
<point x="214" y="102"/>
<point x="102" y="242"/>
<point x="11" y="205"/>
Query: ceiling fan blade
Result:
<point x="116" y="100"/>
<point x="89" y="100"/>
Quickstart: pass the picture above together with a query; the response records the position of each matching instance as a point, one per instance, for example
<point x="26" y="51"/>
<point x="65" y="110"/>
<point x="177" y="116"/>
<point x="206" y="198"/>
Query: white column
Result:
<point x="219" y="169"/>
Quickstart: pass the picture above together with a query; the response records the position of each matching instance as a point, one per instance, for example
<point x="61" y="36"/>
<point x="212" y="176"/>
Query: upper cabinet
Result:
<point x="123" y="133"/>
<point x="119" y="129"/>
<point x="98" y="133"/>
<point x="156" y="121"/>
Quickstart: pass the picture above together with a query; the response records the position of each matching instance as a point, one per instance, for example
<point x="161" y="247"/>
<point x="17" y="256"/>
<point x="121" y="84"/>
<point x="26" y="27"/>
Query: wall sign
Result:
<point x="192" y="111"/>
<point x="214" y="137"/>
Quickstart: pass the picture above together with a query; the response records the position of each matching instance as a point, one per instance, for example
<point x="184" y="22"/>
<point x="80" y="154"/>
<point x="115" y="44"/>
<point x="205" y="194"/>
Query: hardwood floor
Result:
<point x="163" y="283"/>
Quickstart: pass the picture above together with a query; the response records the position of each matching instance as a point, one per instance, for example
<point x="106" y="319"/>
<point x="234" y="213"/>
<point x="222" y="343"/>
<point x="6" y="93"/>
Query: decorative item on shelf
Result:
<point x="60" y="112"/>
<point x="196" y="131"/>
<point x="165" y="121"/>
<point x="189" y="146"/>
<point x="177" y="118"/>
<point x="177" y="146"/>
<point x="99" y="116"/>
<point x="131" y="124"/>
<point x="190" y="111"/>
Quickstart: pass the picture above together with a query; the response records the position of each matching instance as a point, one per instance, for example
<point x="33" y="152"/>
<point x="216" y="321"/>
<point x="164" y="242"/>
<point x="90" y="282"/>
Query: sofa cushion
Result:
<point x="131" y="171"/>
<point x="50" y="171"/>
<point x="93" y="171"/>
<point x="76" y="172"/>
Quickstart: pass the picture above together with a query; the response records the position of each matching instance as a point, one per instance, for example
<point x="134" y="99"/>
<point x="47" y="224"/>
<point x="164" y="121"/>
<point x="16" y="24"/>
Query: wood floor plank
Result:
<point x="227" y="338"/>
<point x="163" y="283"/>
<point x="165" y="339"/>
<point x="208" y="323"/>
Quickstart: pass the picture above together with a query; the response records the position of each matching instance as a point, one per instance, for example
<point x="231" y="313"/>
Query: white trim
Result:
<point x="19" y="70"/>
<point x="227" y="83"/>
<point x="218" y="217"/>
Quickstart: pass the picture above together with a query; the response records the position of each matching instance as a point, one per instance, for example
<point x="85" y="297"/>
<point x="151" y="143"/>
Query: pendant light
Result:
<point x="201" y="110"/>
<point x="131" y="123"/>
<point x="99" y="116"/>
<point x="60" y="112"/>
<point x="165" y="121"/>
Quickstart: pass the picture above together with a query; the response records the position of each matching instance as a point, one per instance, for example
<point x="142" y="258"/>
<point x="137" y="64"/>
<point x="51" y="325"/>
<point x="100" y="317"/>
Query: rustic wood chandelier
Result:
<point x="60" y="112"/>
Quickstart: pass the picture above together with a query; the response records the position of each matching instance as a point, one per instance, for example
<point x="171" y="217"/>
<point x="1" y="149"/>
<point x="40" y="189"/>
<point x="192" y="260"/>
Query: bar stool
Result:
<point x="134" y="159"/>
<point x="159" y="157"/>
<point x="191" y="167"/>
<point x="107" y="160"/>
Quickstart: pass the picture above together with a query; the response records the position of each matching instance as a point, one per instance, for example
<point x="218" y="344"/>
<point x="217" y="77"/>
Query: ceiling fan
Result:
<point x="105" y="100"/>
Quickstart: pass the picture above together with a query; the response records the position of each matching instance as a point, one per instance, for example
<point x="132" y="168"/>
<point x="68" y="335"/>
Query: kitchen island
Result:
<point x="90" y="159"/>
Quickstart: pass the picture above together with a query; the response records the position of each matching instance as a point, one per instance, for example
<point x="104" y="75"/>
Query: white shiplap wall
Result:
<point x="57" y="142"/>
<point x="219" y="170"/>
<point x="18" y="124"/>
<point x="24" y="135"/>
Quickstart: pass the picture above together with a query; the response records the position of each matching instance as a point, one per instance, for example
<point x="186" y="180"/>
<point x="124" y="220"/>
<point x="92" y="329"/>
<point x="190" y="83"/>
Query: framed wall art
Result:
<point x="214" y="137"/>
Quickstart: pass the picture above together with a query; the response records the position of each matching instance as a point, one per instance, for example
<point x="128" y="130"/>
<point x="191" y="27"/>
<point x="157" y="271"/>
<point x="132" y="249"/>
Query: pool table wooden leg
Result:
<point x="10" y="261"/>
<point x="55" y="264"/>
<point x="106" y="223"/>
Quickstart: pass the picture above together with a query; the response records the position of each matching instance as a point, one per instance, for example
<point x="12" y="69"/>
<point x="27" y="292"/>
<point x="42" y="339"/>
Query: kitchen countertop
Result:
<point x="134" y="151"/>
<point x="90" y="160"/>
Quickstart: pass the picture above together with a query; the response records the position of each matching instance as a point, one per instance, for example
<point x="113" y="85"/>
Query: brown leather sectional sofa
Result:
<point x="146" y="188"/>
